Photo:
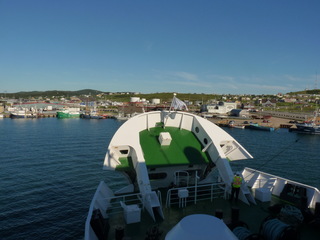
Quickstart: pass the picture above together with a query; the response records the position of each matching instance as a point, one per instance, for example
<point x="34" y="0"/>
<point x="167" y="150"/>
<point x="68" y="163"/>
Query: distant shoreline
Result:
<point x="274" y="122"/>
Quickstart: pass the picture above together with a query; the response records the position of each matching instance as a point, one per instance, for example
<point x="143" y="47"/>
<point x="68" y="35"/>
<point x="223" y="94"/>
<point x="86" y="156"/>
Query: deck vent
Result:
<point x="165" y="139"/>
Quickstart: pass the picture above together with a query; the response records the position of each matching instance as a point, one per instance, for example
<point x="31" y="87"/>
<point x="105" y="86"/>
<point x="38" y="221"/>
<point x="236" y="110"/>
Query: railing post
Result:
<point x="159" y="197"/>
<point x="196" y="188"/>
<point x="168" y="198"/>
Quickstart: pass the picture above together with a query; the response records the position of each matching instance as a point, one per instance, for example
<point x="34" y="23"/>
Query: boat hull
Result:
<point x="260" y="128"/>
<point x="88" y="116"/>
<point x="67" y="115"/>
<point x="306" y="129"/>
<point x="22" y="116"/>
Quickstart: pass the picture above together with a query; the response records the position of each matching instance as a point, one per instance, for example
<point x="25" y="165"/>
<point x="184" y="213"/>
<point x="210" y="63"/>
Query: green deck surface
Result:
<point x="185" y="149"/>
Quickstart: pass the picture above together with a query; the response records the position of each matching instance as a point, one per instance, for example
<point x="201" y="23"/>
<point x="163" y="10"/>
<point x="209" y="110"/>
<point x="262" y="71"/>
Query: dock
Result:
<point x="274" y="122"/>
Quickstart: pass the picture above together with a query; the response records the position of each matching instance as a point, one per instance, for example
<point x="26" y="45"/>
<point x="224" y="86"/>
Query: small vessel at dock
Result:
<point x="91" y="114"/>
<point x="232" y="124"/>
<point x="69" y="113"/>
<point x="256" y="126"/>
<point x="23" y="114"/>
<point x="308" y="127"/>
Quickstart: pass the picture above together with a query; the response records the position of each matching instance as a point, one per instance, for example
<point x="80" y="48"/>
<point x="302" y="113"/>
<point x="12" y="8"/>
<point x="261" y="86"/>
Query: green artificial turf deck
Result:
<point x="185" y="149"/>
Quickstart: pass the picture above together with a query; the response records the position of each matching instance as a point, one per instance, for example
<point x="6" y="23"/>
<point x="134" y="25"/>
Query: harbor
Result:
<point x="274" y="122"/>
<point x="53" y="114"/>
<point x="262" y="115"/>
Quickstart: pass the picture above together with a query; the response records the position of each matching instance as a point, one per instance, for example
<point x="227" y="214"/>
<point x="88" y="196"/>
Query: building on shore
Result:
<point x="240" y="113"/>
<point x="220" y="108"/>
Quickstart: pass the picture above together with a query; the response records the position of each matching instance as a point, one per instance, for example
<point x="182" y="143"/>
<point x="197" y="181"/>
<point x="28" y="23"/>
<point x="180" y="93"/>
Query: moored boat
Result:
<point x="90" y="116"/>
<point x="232" y="124"/>
<point x="69" y="113"/>
<point x="23" y="114"/>
<point x="239" y="126"/>
<point x="93" y="114"/>
<point x="256" y="126"/>
<point x="176" y="166"/>
<point x="307" y="128"/>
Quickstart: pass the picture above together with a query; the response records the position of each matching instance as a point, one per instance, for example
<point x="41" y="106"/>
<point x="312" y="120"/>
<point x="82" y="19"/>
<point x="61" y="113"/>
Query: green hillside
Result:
<point x="125" y="96"/>
<point x="121" y="97"/>
<point x="314" y="91"/>
<point x="51" y="93"/>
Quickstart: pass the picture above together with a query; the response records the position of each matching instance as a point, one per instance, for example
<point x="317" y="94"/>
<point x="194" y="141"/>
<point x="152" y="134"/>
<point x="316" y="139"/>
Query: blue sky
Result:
<point x="203" y="46"/>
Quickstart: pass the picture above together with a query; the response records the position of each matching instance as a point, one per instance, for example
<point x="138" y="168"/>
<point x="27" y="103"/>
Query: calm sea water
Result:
<point x="51" y="167"/>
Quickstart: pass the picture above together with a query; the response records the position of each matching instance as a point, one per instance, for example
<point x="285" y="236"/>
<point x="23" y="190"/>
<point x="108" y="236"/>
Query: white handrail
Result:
<point x="194" y="190"/>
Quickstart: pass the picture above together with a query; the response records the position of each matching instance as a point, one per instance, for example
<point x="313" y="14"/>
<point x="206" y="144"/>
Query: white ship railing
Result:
<point x="196" y="193"/>
<point x="128" y="199"/>
<point x="276" y="185"/>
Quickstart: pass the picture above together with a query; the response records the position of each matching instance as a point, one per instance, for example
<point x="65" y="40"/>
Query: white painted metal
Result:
<point x="257" y="179"/>
<point x="200" y="227"/>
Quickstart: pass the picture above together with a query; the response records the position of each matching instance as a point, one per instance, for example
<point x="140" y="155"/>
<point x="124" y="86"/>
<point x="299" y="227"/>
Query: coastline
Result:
<point x="274" y="122"/>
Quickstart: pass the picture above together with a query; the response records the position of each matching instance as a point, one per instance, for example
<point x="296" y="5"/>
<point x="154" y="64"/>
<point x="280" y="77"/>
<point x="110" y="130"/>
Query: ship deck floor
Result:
<point x="253" y="216"/>
<point x="184" y="148"/>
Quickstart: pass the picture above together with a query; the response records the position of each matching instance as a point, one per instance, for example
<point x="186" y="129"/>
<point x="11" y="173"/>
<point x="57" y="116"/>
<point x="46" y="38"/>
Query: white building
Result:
<point x="134" y="99"/>
<point x="155" y="101"/>
<point x="219" y="108"/>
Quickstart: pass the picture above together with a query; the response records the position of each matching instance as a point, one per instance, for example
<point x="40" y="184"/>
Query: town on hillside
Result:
<point x="99" y="105"/>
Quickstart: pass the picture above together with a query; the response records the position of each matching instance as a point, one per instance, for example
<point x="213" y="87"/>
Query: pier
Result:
<point x="54" y="114"/>
<point x="274" y="122"/>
